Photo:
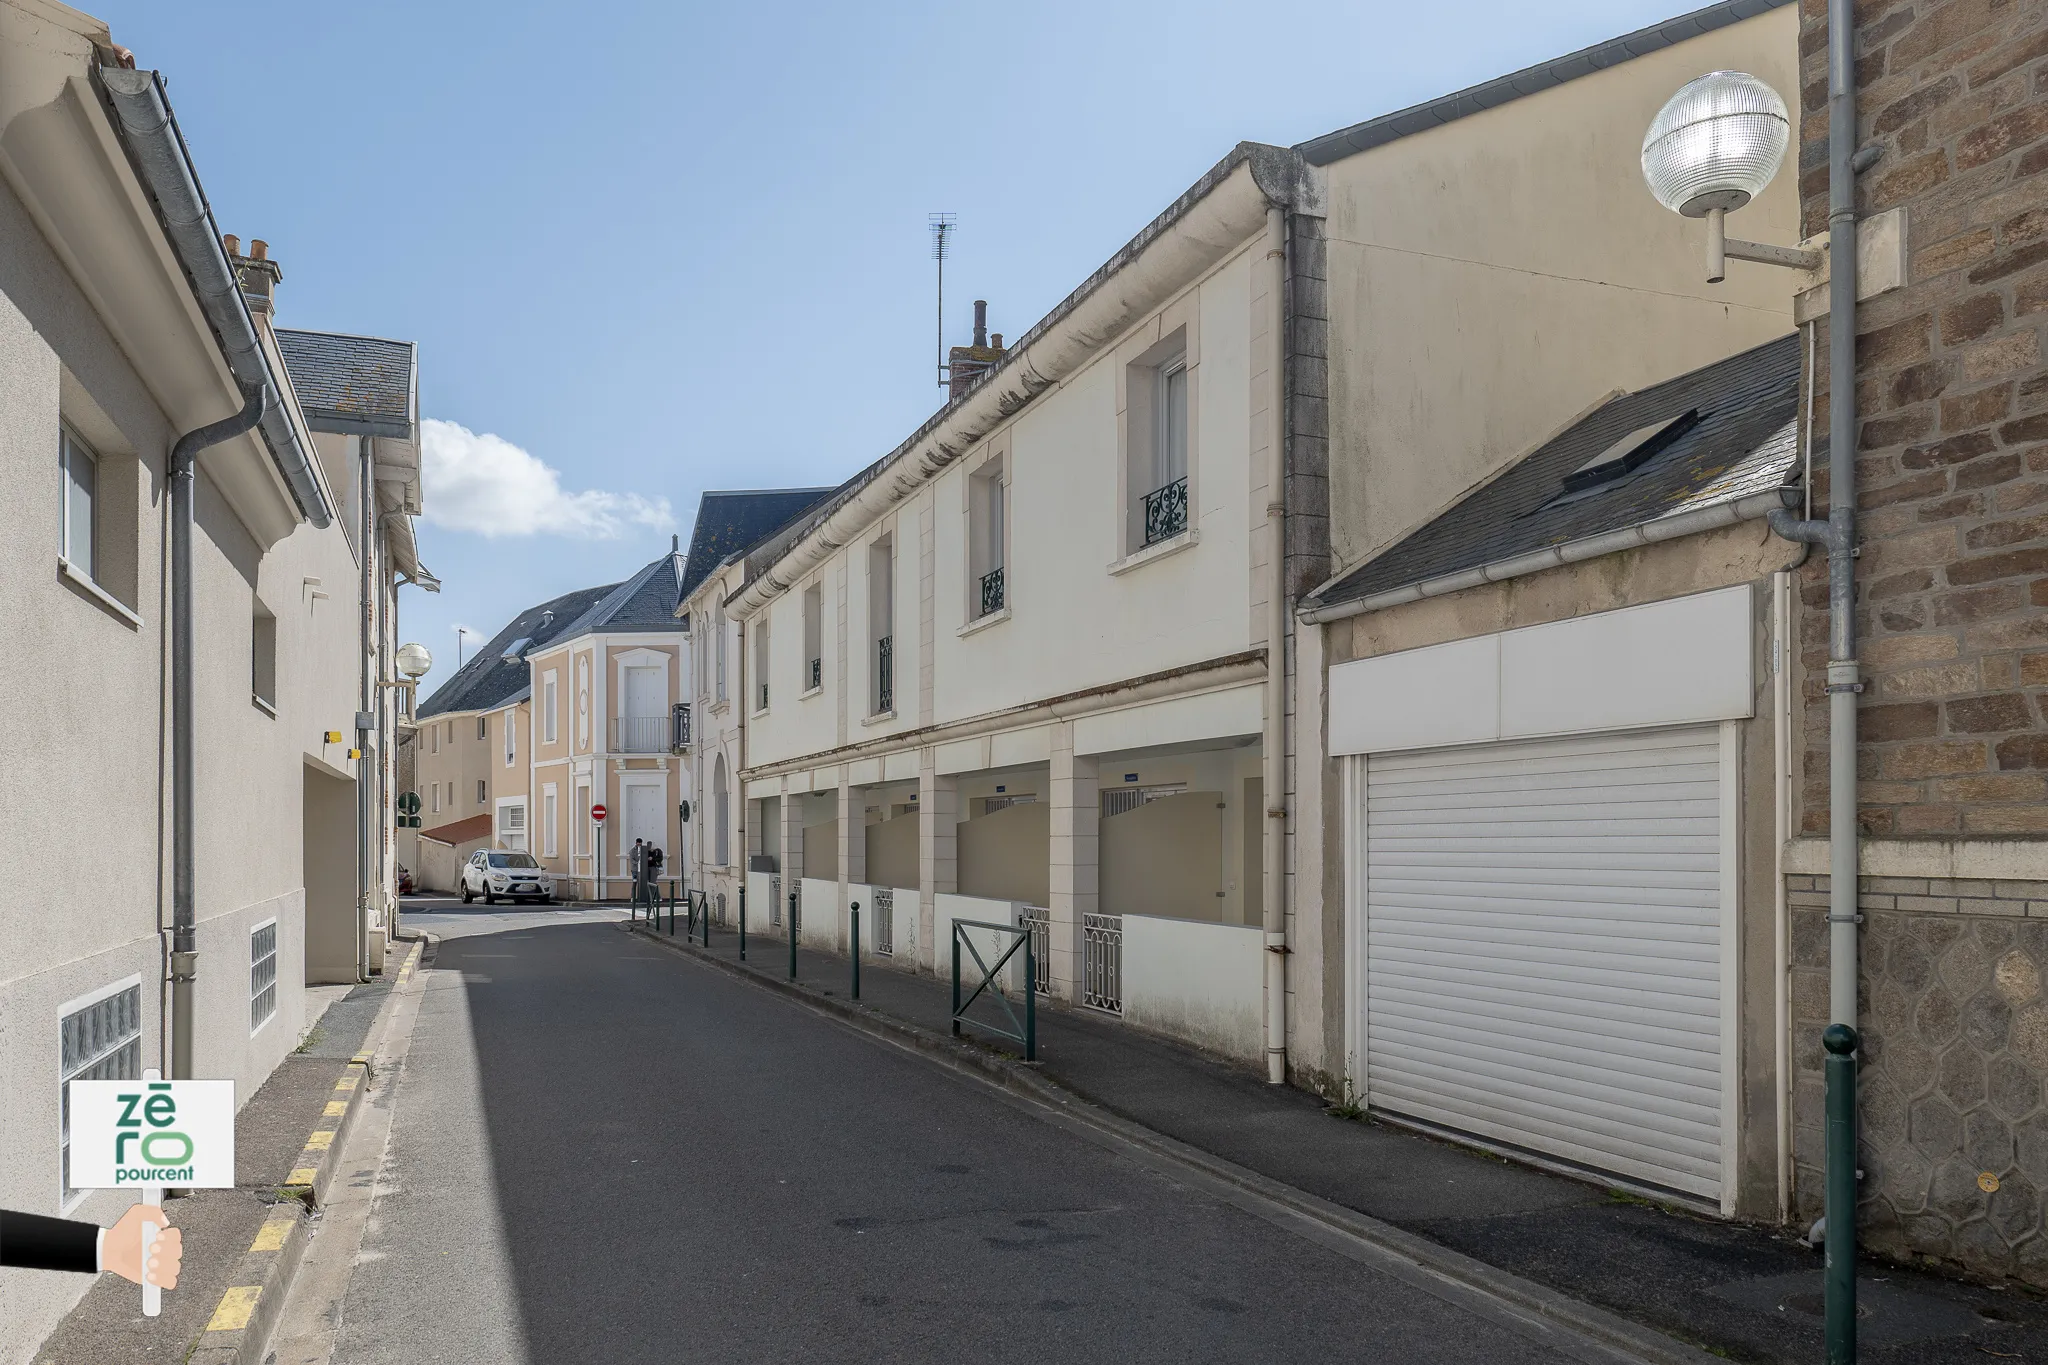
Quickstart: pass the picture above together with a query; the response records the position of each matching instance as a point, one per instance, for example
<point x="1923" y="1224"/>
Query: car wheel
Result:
<point x="490" y="899"/>
<point x="467" y="894"/>
<point x="547" y="900"/>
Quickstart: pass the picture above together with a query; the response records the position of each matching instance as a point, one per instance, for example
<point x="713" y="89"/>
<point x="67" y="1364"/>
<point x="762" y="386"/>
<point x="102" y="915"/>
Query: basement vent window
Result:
<point x="1625" y="456"/>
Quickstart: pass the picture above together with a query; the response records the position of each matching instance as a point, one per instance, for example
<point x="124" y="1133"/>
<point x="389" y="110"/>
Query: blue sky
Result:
<point x="659" y="248"/>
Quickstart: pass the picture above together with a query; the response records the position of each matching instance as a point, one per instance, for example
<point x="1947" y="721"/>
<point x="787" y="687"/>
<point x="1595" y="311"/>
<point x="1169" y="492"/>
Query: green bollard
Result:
<point x="956" y="981"/>
<point x="1840" y="1287"/>
<point x="704" y="902"/>
<point x="792" y="936"/>
<point x="743" y="924"/>
<point x="1030" y="1003"/>
<point x="856" y="950"/>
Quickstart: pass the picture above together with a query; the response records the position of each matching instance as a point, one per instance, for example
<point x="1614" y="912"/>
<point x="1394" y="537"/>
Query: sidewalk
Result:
<point x="1739" y="1291"/>
<point x="219" y="1226"/>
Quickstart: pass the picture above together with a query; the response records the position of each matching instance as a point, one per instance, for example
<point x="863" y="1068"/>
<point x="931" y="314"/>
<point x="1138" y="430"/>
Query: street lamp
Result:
<point x="1711" y="149"/>
<point x="414" y="661"/>
<point x="1708" y="152"/>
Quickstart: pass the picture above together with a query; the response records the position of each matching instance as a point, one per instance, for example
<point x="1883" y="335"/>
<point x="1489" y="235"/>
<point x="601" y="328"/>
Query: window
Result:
<point x="483" y="727"/>
<point x="881" y="623"/>
<point x="80" y="495"/>
<point x="547" y="692"/>
<point x="262" y="974"/>
<point x="583" y="819"/>
<point x="761" y="662"/>
<point x="511" y="738"/>
<point x="437" y="798"/>
<point x="547" y="819"/>
<point x="99" y="1039"/>
<point x="511" y="832"/>
<point x="434" y="739"/>
<point x="718" y="622"/>
<point x="583" y="701"/>
<point x="987" y="529"/>
<point x="511" y="859"/>
<point x="814" y="638"/>
<point x="483" y="791"/>
<point x="263" y="657"/>
<point x="1158" y="438"/>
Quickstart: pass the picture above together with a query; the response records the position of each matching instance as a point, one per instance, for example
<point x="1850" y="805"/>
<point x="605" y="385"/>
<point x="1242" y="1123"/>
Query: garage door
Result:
<point x="1543" y="946"/>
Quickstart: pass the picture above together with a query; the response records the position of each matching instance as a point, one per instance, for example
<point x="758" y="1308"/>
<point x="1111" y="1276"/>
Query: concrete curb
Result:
<point x="1606" y="1328"/>
<point x="240" y="1330"/>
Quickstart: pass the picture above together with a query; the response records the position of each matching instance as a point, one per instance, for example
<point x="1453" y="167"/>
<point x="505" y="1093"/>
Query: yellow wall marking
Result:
<point x="320" y="1141"/>
<point x="270" y="1237"/>
<point x="345" y="1083"/>
<point x="335" y="1108"/>
<point x="236" y="1307"/>
<point x="302" y="1175"/>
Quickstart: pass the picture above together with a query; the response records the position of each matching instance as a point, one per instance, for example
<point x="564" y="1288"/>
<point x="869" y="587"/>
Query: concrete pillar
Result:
<point x="938" y="812"/>
<point x="1074" y="844"/>
<point x="853" y="856"/>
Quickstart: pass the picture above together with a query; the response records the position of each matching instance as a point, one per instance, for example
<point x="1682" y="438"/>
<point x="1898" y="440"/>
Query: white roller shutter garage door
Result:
<point x="1543" y="947"/>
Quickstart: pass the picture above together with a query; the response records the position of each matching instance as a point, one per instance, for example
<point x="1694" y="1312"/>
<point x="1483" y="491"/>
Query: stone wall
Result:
<point x="1953" y="397"/>
<point x="1955" y="1057"/>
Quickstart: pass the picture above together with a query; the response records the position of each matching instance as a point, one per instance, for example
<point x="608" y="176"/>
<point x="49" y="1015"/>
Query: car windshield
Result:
<point x="513" y="860"/>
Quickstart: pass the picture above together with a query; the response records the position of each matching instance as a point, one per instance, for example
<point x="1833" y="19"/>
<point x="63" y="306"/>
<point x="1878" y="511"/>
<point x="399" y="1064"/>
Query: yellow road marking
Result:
<point x="270" y="1237"/>
<point x="320" y="1141"/>
<point x="361" y="1059"/>
<point x="336" y="1108"/>
<point x="236" y="1307"/>
<point x="302" y="1175"/>
<point x="345" y="1083"/>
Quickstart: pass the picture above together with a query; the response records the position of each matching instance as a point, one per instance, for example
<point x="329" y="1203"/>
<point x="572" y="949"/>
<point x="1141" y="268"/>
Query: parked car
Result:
<point x="508" y="876"/>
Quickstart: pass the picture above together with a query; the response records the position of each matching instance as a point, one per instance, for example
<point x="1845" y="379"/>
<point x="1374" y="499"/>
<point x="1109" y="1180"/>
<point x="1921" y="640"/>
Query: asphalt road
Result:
<point x="603" y="1152"/>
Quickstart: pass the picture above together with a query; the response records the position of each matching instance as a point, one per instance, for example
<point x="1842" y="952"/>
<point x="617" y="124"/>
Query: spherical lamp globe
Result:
<point x="414" y="660"/>
<point x="1716" y="144"/>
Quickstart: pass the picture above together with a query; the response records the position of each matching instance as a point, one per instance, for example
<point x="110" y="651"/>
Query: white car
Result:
<point x="513" y="876"/>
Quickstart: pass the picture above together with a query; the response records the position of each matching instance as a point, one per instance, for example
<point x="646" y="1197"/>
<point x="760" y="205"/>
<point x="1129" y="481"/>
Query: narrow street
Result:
<point x="602" y="1152"/>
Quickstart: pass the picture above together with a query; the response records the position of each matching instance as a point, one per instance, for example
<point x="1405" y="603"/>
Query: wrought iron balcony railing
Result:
<point x="761" y="699"/>
<point x="991" y="592"/>
<point x="814" y="675"/>
<point x="679" y="728"/>
<point x="1166" y="511"/>
<point x="885" y="674"/>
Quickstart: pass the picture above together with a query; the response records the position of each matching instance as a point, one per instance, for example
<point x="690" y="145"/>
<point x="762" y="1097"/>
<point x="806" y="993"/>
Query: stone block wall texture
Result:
<point x="1953" y="399"/>
<point x="1954" y="1135"/>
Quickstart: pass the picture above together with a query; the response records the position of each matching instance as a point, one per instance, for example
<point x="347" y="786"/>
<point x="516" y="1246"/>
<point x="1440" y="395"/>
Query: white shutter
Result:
<point x="1543" y="947"/>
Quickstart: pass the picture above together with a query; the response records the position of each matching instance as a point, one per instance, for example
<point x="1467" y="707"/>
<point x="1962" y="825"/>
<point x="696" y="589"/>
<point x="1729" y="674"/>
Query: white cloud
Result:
<point x="490" y="487"/>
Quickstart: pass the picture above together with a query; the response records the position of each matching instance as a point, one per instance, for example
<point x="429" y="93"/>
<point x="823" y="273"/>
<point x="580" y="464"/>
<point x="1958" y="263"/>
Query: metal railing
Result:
<point x="885" y="921"/>
<point x="885" y="674"/>
<point x="679" y="728"/>
<point x="641" y="734"/>
<point x="761" y="702"/>
<point x="1023" y="1030"/>
<point x="991" y="592"/>
<point x="1038" y="920"/>
<point x="1102" y="962"/>
<point x="1166" y="511"/>
<point x="814" y="675"/>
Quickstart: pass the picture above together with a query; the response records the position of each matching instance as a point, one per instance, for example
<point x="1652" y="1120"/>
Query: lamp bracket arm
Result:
<point x="1762" y="253"/>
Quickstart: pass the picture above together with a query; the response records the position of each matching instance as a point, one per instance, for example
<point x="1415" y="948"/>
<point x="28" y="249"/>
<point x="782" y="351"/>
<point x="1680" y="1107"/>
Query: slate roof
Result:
<point x="486" y="680"/>
<point x="362" y="386"/>
<point x="1744" y="441"/>
<point x="1418" y="118"/>
<point x="731" y="521"/>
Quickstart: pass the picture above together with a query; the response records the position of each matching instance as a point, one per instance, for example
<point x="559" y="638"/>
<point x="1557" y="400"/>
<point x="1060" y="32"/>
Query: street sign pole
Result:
<point x="598" y="813"/>
<point x="152" y="1197"/>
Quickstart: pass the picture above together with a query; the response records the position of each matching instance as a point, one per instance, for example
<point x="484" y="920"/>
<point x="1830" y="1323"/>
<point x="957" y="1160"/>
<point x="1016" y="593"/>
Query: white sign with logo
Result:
<point x="137" y="1133"/>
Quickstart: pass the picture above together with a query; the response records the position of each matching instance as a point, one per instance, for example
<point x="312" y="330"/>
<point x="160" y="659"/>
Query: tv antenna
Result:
<point x="942" y="225"/>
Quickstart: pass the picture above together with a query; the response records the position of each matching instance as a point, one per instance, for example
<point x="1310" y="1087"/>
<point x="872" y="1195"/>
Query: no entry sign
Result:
<point x="598" y="813"/>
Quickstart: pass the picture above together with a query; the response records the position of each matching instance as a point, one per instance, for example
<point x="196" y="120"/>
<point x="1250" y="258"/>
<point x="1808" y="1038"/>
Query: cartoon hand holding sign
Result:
<point x="145" y="1135"/>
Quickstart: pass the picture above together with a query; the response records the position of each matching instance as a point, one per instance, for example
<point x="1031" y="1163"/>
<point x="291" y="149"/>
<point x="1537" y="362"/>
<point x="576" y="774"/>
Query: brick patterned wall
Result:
<point x="1953" y="397"/>
<point x="1955" y="1060"/>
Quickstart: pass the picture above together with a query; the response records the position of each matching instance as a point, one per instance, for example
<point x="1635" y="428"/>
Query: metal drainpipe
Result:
<point x="366" y="543"/>
<point x="1838" y="532"/>
<point x="1274" y="735"/>
<point x="184" y="799"/>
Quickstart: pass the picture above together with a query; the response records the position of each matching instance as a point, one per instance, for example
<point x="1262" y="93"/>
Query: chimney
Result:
<point x="256" y="272"/>
<point x="965" y="365"/>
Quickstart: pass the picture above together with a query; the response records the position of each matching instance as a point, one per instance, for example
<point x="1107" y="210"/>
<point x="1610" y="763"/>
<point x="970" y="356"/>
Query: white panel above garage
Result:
<point x="1232" y="714"/>
<point x="1668" y="663"/>
<point x="1683" y="661"/>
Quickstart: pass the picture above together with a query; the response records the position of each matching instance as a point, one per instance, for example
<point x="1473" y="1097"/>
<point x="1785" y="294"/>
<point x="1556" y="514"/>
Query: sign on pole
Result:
<point x="598" y="813"/>
<point x="409" y="803"/>
<point x="146" y="1134"/>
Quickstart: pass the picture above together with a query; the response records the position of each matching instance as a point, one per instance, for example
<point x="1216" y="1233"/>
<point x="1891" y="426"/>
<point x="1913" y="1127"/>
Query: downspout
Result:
<point x="366" y="546"/>
<point x="184" y="799"/>
<point x="1838" y="532"/>
<point x="1273" y="759"/>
